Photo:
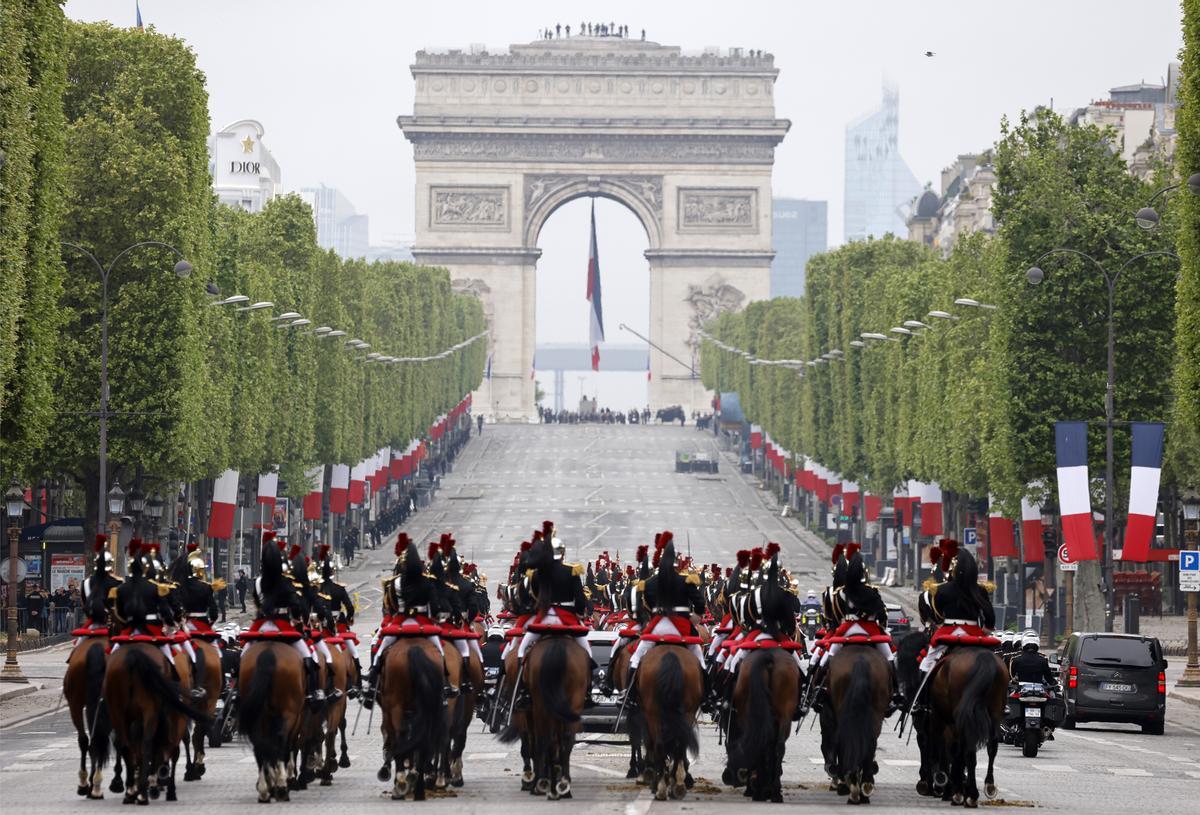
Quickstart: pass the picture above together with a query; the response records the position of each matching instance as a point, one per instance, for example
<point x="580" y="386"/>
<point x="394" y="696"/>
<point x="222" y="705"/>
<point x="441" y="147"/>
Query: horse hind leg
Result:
<point x="344" y="759"/>
<point x="989" y="781"/>
<point x="83" y="788"/>
<point x="264" y="785"/>
<point x="117" y="785"/>
<point x="679" y="770"/>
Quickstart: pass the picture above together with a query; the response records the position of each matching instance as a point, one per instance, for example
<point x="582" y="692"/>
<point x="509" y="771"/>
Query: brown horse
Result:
<point x="206" y="674"/>
<point x="859" y="686"/>
<point x="82" y="685"/>
<point x="514" y="724"/>
<point x="270" y="702"/>
<point x="414" y="718"/>
<point x="618" y="668"/>
<point x="966" y="699"/>
<point x="671" y="684"/>
<point x="340" y="669"/>
<point x="148" y="715"/>
<point x="471" y="678"/>
<point x="764" y="698"/>
<point x="557" y="673"/>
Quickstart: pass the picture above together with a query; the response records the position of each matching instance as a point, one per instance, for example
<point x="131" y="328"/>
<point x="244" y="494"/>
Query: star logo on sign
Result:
<point x="247" y="145"/>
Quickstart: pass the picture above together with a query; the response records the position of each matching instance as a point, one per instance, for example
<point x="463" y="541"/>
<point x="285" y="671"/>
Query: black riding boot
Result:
<point x="370" y="694"/>
<point x="312" y="680"/>
<point x="449" y="691"/>
<point x="897" y="700"/>
<point x="354" y="689"/>
<point x="522" y="700"/>
<point x="816" y="693"/>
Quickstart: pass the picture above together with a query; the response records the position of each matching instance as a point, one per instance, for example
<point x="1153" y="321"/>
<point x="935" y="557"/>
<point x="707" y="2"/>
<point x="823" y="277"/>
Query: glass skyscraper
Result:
<point x="879" y="186"/>
<point x="798" y="231"/>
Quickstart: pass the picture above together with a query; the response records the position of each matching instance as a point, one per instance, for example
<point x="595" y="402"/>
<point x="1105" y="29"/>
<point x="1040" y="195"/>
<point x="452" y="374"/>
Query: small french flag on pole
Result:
<point x="1143" y="490"/>
<point x="1031" y="532"/>
<point x="1074" y="497"/>
<point x="224" y="500"/>
<point x="1001" y="541"/>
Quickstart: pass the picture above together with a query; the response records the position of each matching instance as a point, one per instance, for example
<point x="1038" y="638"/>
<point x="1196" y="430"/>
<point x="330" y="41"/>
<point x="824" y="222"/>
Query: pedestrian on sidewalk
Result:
<point x="241" y="584"/>
<point x="221" y="601"/>
<point x="479" y="421"/>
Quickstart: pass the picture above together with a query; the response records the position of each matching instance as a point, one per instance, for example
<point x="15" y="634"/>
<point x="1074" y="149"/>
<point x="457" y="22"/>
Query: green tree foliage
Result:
<point x="1185" y="216"/>
<point x="32" y="81"/>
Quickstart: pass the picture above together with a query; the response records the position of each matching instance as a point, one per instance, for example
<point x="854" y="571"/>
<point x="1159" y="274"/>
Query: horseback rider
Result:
<point x="141" y="608"/>
<point x="97" y="604"/>
<point x="281" y="614"/>
<point x="960" y="609"/>
<point x="862" y="613"/>
<point x="460" y="599"/>
<point x="319" y="620"/>
<point x="342" y="609"/>
<point x="769" y="609"/>
<point x="672" y="597"/>
<point x="411" y="604"/>
<point x="831" y="616"/>
<point x="558" y="589"/>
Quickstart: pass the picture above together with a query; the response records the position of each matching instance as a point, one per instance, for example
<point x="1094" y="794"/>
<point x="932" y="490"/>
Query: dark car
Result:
<point x="899" y="623"/>
<point x="1114" y="678"/>
<point x="602" y="715"/>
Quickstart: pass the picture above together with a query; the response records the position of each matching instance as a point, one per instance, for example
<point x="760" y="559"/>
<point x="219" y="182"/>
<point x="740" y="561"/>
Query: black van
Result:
<point x="1114" y="678"/>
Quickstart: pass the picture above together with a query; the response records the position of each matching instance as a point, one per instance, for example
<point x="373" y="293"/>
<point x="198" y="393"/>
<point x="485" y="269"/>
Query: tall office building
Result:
<point x="339" y="226"/>
<point x="244" y="172"/>
<point x="798" y="231"/>
<point x="879" y="185"/>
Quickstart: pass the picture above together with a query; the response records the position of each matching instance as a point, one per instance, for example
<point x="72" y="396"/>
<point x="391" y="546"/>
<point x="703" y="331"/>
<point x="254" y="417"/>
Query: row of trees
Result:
<point x="196" y="387"/>
<point x="970" y="402"/>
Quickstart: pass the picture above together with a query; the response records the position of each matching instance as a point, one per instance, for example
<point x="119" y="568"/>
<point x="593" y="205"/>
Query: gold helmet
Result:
<point x="314" y="572"/>
<point x="196" y="564"/>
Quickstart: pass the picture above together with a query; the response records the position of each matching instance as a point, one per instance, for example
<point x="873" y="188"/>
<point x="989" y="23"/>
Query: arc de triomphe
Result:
<point x="685" y="142"/>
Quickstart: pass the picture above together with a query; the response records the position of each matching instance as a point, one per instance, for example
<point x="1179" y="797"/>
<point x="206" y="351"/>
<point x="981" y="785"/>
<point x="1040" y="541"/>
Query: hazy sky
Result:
<point x="327" y="80"/>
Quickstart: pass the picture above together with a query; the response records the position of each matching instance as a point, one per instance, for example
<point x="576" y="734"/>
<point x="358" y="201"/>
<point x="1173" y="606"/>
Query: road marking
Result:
<point x="36" y="733"/>
<point x="486" y="756"/>
<point x="16" y="768"/>
<point x="901" y="762"/>
<point x="815" y="760"/>
<point x="596" y="768"/>
<point x="1054" y="768"/>
<point x="1133" y="771"/>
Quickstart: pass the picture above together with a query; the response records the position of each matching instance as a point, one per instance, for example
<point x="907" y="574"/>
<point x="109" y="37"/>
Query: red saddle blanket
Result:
<point x="451" y="633"/>
<point x="568" y="623"/>
<point x="91" y="631"/>
<point x="672" y="639"/>
<point x="419" y="626"/>
<point x="282" y="629"/>
<point x="873" y="633"/>
<point x="200" y="629"/>
<point x="972" y="635"/>
<point x="630" y="632"/>
<point x="150" y="633"/>
<point x="750" y="642"/>
<point x="343" y="630"/>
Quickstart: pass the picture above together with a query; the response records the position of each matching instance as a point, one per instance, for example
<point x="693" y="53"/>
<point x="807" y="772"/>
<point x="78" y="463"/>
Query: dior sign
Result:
<point x="721" y="210"/>
<point x="463" y="207"/>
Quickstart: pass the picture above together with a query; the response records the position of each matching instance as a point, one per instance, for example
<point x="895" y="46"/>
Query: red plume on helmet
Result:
<point x="435" y="549"/>
<point x="193" y="546"/>
<point x="852" y="549"/>
<point x="838" y="551"/>
<point x="323" y="552"/>
<point x="547" y="529"/>
<point x="295" y="550"/>
<point x="658" y="550"/>
<point x="268" y="536"/>
<point x="402" y="542"/>
<point x="135" y="547"/>
<point x="629" y="572"/>
<point x="667" y="537"/>
<point x="728" y="571"/>
<point x="537" y="536"/>
<point x="772" y="549"/>
<point x="935" y="554"/>
<point x="716" y="571"/>
<point x="525" y="546"/>
<point x="743" y="558"/>
<point x="643" y="552"/>
<point x="447" y="544"/>
<point x="949" y="551"/>
<point x="101" y="542"/>
<point x="756" y="558"/>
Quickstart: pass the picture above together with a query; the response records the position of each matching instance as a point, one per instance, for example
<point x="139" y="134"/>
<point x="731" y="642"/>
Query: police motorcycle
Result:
<point x="493" y="664"/>
<point x="1033" y="709"/>
<point x="227" y="708"/>
<point x="809" y="619"/>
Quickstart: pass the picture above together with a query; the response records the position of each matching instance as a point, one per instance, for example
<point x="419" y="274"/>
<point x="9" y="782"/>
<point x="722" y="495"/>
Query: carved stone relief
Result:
<point x="715" y="297"/>
<point x="647" y="189"/>
<point x="468" y="207"/>
<point x="574" y="149"/>
<point x="707" y="210"/>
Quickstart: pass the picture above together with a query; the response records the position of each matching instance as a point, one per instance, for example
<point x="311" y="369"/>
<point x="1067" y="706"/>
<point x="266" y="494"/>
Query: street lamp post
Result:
<point x="14" y="505"/>
<point x="116" y="505"/>
<point x="1050" y="552"/>
<point x="1191" y="519"/>
<point x="1035" y="276"/>
<point x="182" y="270"/>
<point x="155" y="507"/>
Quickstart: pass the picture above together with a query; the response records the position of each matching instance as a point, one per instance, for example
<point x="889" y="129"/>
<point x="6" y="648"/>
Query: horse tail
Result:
<point x="201" y="666"/>
<point x="550" y="681"/>
<point x="675" y="731"/>
<point x="757" y="732"/>
<point x="95" y="717"/>
<point x="908" y="652"/>
<point x="973" y="725"/>
<point x="427" y="724"/>
<point x="262" y="725"/>
<point x="855" y="730"/>
<point x="155" y="681"/>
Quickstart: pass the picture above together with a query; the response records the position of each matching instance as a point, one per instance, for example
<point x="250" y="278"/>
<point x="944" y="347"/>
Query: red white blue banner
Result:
<point x="596" y="323"/>
<point x="224" y="500"/>
<point x="1143" y="490"/>
<point x="1031" y="531"/>
<point x="316" y="491"/>
<point x="339" y="488"/>
<point x="1074" y="495"/>
<point x="1001" y="538"/>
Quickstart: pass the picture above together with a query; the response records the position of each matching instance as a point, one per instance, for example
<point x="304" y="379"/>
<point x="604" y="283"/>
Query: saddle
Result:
<point x="874" y="634"/>
<point x="972" y="635"/>
<point x="199" y="629"/>
<point x="751" y="643"/>
<point x="151" y="633"/>
<point x="344" y="632"/>
<point x="424" y="627"/>
<point x="449" y="632"/>
<point x="280" y="630"/>
<point x="682" y="636"/>
<point x="569" y="624"/>
<point x="94" y="630"/>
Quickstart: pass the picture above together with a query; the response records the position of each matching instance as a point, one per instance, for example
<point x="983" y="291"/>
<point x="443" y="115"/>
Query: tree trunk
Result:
<point x="1089" y="599"/>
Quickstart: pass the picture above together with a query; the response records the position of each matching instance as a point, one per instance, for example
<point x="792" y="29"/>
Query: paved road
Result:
<point x="612" y="488"/>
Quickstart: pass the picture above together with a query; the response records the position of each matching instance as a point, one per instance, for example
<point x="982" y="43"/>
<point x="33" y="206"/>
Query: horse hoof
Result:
<point x="866" y="799"/>
<point x="940" y="780"/>
<point x="542" y="786"/>
<point x="283" y="795"/>
<point x="117" y="785"/>
<point x="95" y="796"/>
<point x="128" y="799"/>
<point x="456" y="782"/>
<point x="154" y="793"/>
<point x="344" y="762"/>
<point x="867" y="788"/>
<point x="843" y="789"/>
<point x="923" y="787"/>
<point x="990" y="790"/>
<point x="679" y="792"/>
<point x="82" y="790"/>
<point x="957" y="799"/>
<point x="526" y="786"/>
<point x="383" y="774"/>
<point x="563" y="787"/>
<point x="172" y="796"/>
<point x="972" y="803"/>
<point x="264" y="799"/>
<point x="632" y="774"/>
<point x="688" y="781"/>
<point x="143" y="802"/>
<point x="326" y="781"/>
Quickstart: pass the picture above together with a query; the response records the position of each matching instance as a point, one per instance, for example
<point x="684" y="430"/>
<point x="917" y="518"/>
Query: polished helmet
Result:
<point x="1030" y="641"/>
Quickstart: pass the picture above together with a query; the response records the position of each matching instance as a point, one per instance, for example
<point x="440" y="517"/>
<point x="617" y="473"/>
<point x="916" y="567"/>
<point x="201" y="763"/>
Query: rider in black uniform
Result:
<point x="1031" y="666"/>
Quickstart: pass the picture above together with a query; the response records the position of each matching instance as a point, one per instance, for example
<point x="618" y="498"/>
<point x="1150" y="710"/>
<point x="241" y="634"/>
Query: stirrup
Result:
<point x="199" y="694"/>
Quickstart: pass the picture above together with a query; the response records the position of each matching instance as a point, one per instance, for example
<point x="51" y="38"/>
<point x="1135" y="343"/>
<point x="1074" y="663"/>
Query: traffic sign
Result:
<point x="1189" y="570"/>
<point x="21" y="570"/>
<point x="970" y="537"/>
<point x="1064" y="560"/>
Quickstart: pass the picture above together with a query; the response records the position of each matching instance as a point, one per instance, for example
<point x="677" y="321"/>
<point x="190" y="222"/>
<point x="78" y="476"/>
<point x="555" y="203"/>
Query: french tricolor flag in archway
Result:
<point x="596" y="325"/>
<point x="1074" y="497"/>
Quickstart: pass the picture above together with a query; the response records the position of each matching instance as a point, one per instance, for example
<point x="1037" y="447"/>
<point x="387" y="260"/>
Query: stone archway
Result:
<point x="685" y="142"/>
